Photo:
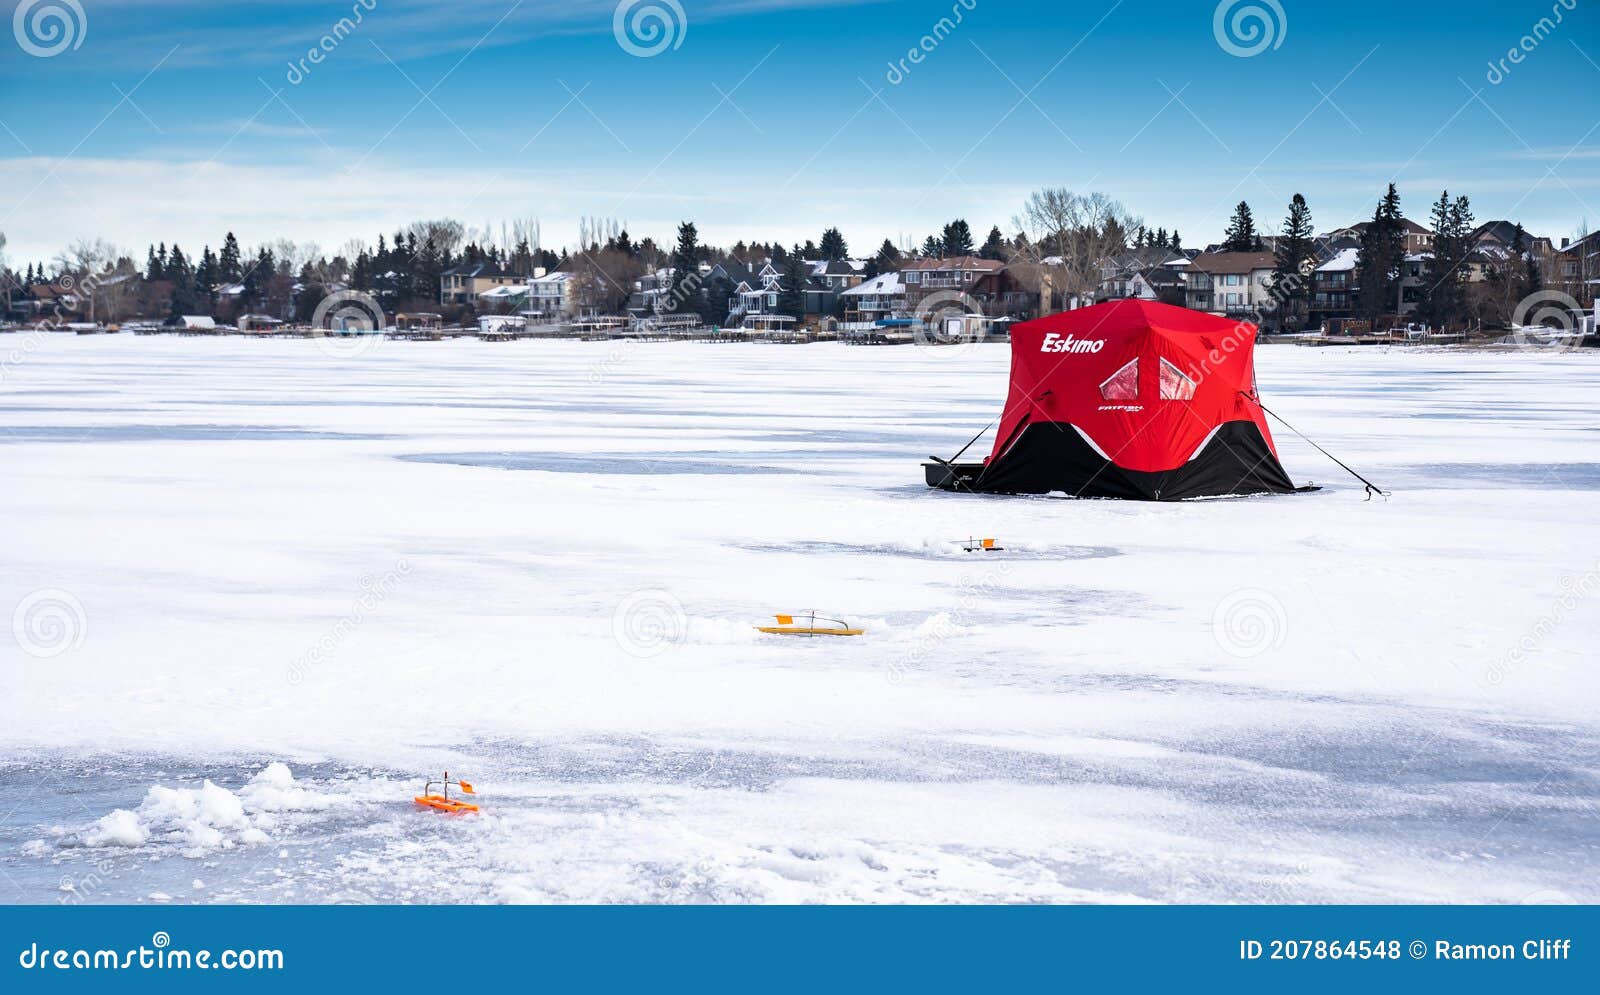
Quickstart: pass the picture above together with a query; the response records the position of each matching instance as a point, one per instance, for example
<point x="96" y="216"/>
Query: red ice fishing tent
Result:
<point x="1129" y="399"/>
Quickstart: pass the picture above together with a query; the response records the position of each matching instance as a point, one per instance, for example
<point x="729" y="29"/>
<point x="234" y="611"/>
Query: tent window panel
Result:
<point x="1123" y="385"/>
<point x="1174" y="385"/>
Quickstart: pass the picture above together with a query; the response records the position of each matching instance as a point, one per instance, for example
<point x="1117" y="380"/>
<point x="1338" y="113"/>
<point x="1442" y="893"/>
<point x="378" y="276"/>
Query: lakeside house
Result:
<point x="1576" y="269"/>
<point x="551" y="296"/>
<point x="1333" y="288"/>
<point x="984" y="286"/>
<point x="465" y="283"/>
<point x="1231" y="283"/>
<point x="1419" y="238"/>
<point x="878" y="299"/>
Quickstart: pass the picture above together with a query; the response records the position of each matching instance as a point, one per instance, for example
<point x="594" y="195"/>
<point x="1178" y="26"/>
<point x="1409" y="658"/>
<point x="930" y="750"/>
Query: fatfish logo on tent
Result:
<point x="1057" y="343"/>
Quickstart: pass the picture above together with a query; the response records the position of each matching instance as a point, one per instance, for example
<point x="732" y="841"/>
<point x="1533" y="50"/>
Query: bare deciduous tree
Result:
<point x="1068" y="240"/>
<point x="101" y="276"/>
<point x="446" y="234"/>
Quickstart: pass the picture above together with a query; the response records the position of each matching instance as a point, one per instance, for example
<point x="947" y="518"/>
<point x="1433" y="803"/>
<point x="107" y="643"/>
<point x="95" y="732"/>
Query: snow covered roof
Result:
<point x="509" y="290"/>
<point x="558" y="277"/>
<point x="888" y="283"/>
<point x="1343" y="261"/>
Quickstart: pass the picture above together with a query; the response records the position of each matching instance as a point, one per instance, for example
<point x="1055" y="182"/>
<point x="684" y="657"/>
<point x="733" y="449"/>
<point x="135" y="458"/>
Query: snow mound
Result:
<point x="275" y="790"/>
<point x="204" y="819"/>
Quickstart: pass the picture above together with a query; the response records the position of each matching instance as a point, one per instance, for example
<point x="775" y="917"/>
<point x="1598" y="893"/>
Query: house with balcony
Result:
<point x="1236" y="284"/>
<point x="985" y="286"/>
<point x="878" y="299"/>
<point x="1333" y="288"/>
<point x="551" y="297"/>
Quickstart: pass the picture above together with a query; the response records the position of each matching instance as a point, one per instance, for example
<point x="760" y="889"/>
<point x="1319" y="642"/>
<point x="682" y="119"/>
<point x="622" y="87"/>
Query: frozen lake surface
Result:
<point x="311" y="580"/>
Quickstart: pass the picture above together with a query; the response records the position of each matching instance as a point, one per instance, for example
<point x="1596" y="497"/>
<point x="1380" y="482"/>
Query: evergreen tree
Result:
<point x="792" y="283"/>
<point x="1160" y="240"/>
<point x="1241" y="235"/>
<point x="1380" y="261"/>
<point x="228" y="266"/>
<point x="958" y="239"/>
<point x="522" y="259"/>
<point x="1175" y="245"/>
<point x="685" y="296"/>
<point x="1443" y="300"/>
<point x="152" y="268"/>
<point x="886" y="261"/>
<point x="258" y="277"/>
<point x="714" y="302"/>
<point x="932" y="247"/>
<point x="428" y="271"/>
<point x="1114" y="237"/>
<point x="1530" y="273"/>
<point x="205" y="281"/>
<point x="833" y="246"/>
<point x="1294" y="251"/>
<point x="178" y="270"/>
<point x="994" y="248"/>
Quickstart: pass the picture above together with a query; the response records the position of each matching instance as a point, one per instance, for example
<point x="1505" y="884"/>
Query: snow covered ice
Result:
<point x="259" y="593"/>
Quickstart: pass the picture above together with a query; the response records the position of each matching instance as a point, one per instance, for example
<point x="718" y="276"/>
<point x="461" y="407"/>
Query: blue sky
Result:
<point x="177" y="120"/>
